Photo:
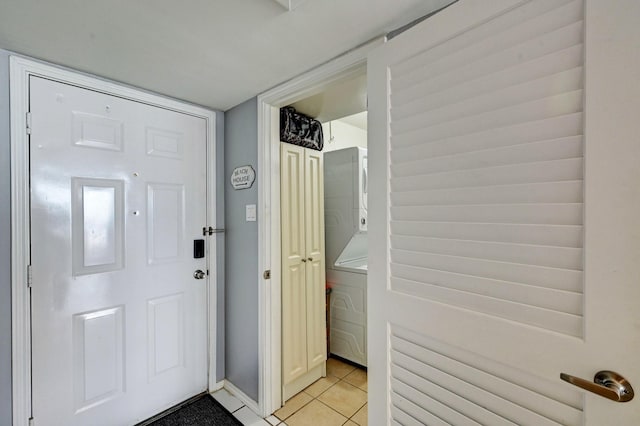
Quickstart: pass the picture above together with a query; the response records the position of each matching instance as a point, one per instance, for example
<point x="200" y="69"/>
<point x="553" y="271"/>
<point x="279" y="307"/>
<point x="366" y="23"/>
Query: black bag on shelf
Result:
<point x="298" y="129"/>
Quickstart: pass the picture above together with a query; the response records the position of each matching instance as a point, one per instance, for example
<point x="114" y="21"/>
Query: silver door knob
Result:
<point x="199" y="274"/>
<point x="608" y="384"/>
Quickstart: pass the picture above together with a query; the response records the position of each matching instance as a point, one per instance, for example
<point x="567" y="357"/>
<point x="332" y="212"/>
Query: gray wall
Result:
<point x="5" y="245"/>
<point x="241" y="323"/>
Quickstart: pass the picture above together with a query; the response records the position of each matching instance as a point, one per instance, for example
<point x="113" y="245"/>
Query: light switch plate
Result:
<point x="250" y="212"/>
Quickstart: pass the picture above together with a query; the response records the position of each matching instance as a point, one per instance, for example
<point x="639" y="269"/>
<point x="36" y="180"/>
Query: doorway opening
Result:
<point x="91" y="327"/>
<point x="321" y="95"/>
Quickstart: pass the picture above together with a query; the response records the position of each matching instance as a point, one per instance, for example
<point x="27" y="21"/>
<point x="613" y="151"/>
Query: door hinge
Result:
<point x="29" y="276"/>
<point x="28" y="123"/>
<point x="211" y="230"/>
<point x="267" y="274"/>
<point x="31" y="421"/>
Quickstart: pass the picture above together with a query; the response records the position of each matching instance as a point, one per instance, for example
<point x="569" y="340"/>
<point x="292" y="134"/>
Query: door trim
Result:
<point x="20" y="70"/>
<point x="269" y="306"/>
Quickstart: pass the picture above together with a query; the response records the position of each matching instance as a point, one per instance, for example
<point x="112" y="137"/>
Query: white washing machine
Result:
<point x="345" y="191"/>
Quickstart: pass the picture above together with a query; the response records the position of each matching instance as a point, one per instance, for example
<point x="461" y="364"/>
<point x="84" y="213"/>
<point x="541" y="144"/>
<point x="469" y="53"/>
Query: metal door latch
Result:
<point x="211" y="230"/>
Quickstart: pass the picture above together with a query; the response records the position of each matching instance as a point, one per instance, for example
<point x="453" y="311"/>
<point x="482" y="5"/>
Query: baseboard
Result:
<point x="235" y="391"/>
<point x="216" y="386"/>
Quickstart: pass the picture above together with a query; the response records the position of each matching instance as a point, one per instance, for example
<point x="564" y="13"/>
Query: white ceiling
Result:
<point x="339" y="99"/>
<point x="359" y="120"/>
<point x="216" y="53"/>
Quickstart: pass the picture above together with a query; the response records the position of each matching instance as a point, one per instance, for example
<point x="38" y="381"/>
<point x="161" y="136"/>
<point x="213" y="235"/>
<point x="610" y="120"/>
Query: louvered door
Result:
<point x="501" y="230"/>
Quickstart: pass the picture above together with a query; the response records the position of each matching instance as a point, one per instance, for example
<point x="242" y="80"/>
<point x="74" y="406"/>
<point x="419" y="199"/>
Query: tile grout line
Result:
<point x="333" y="409"/>
<point x="340" y="379"/>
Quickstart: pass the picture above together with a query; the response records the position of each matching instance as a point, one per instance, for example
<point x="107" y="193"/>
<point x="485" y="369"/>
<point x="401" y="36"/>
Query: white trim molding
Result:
<point x="215" y="386"/>
<point x="348" y="65"/>
<point x="20" y="241"/>
<point x="21" y="69"/>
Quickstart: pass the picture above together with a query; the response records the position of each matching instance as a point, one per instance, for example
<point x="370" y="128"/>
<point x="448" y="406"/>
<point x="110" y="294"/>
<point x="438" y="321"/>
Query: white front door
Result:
<point x="118" y="196"/>
<point x="504" y="206"/>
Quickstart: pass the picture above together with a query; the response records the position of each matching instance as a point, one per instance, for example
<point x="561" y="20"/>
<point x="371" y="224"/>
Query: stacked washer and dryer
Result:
<point x="345" y="202"/>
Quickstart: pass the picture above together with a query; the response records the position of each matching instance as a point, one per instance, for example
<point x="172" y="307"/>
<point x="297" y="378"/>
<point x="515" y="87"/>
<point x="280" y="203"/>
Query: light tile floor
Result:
<point x="336" y="400"/>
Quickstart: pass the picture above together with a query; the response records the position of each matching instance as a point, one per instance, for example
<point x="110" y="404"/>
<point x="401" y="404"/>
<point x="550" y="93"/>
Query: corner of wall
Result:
<point x="5" y="244"/>
<point x="241" y="249"/>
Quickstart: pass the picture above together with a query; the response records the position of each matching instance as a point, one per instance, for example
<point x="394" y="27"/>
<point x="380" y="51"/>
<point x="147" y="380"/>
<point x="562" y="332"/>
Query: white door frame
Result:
<point x="269" y="306"/>
<point x="20" y="71"/>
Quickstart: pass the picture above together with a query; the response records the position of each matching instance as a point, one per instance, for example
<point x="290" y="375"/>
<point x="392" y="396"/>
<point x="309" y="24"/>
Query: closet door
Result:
<point x="314" y="243"/>
<point x="294" y="324"/>
<point x="504" y="206"/>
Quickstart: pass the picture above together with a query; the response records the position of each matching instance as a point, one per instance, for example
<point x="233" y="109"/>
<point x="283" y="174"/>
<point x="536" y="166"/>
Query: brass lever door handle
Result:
<point x="608" y="384"/>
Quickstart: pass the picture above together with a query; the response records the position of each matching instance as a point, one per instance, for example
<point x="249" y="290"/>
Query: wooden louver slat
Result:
<point x="486" y="169"/>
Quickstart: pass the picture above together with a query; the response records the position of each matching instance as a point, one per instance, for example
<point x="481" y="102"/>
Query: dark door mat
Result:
<point x="203" y="411"/>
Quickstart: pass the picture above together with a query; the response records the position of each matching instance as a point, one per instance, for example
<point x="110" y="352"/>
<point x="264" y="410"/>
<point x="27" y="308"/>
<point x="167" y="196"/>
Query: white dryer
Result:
<point x="345" y="191"/>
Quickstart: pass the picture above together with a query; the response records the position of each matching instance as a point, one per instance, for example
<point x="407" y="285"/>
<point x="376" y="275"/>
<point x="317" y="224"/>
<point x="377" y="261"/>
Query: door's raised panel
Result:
<point x="316" y="314"/>
<point x="314" y="204"/>
<point x="294" y="330"/>
<point x="97" y="225"/>
<point x="166" y="334"/>
<point x="293" y="202"/>
<point x="98" y="357"/>
<point x="96" y="131"/>
<point x="165" y="222"/>
<point x="164" y="143"/>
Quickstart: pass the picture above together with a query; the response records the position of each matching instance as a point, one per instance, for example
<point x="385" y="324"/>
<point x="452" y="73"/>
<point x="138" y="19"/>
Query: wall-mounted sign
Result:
<point x="243" y="177"/>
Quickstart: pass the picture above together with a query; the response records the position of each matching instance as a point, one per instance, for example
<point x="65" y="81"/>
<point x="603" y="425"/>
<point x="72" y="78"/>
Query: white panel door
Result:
<point x="504" y="200"/>
<point x="118" y="192"/>
<point x="315" y="274"/>
<point x="294" y="290"/>
<point x="304" y="347"/>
